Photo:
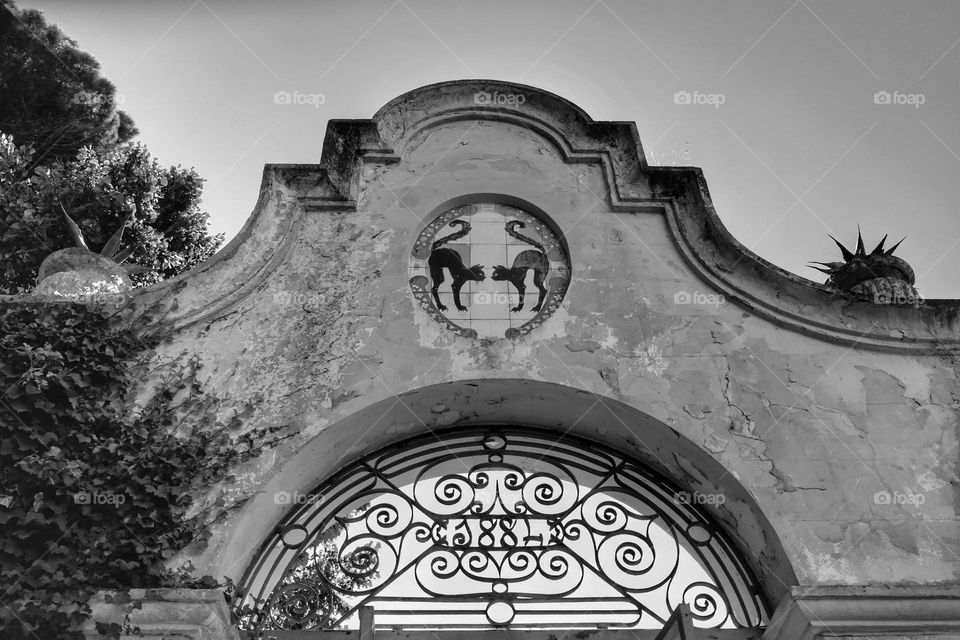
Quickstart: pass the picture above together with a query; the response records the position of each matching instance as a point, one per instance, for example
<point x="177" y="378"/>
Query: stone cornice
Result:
<point x="813" y="611"/>
<point x="681" y="195"/>
<point x="678" y="193"/>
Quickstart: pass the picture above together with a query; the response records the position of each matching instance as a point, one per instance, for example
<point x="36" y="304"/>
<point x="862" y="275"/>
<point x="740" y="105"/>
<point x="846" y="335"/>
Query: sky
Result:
<point x="808" y="117"/>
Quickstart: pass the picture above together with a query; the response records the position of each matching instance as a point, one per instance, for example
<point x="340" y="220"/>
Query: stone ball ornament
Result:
<point x="489" y="270"/>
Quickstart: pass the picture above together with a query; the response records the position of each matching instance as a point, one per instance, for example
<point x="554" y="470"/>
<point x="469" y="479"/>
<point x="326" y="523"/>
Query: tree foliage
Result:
<point x="52" y="95"/>
<point x="99" y="189"/>
<point x="95" y="490"/>
<point x="67" y="145"/>
<point x="92" y="494"/>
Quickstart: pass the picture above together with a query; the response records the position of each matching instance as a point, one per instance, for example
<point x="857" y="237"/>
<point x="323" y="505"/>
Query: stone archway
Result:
<point x="541" y="405"/>
<point x="496" y="525"/>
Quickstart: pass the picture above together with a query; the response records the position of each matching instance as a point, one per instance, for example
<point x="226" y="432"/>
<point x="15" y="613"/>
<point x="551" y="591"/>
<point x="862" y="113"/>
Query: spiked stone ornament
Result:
<point x="878" y="276"/>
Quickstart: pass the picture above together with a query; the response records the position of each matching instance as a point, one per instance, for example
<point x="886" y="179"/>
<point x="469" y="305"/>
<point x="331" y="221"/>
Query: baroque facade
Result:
<point x="532" y="383"/>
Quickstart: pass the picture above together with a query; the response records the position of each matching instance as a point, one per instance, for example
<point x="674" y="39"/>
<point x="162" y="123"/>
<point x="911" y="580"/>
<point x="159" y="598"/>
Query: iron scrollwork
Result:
<point x="501" y="528"/>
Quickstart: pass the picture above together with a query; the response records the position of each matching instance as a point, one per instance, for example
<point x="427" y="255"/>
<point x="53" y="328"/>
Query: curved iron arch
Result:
<point x="500" y="526"/>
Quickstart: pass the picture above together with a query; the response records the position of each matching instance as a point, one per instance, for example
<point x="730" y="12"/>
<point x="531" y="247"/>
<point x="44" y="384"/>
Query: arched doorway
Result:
<point x="501" y="525"/>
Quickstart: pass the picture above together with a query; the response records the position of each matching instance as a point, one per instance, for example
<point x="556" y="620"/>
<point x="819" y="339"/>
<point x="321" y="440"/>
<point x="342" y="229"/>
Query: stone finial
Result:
<point x="77" y="271"/>
<point x="878" y="276"/>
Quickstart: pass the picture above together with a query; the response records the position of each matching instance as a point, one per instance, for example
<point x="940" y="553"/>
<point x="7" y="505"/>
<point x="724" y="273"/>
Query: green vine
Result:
<point x="93" y="493"/>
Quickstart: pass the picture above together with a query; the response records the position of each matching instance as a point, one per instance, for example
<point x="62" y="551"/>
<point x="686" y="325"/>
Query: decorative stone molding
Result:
<point x="163" y="614"/>
<point x="867" y="611"/>
<point x="242" y="265"/>
<point x="352" y="147"/>
<point x="514" y="401"/>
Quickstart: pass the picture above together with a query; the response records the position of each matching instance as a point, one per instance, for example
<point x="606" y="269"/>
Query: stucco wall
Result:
<point x="317" y="331"/>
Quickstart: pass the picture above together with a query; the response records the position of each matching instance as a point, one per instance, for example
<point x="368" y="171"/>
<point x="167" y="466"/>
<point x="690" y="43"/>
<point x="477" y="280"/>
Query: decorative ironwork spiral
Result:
<point x="478" y="521"/>
<point x="298" y="606"/>
<point x="705" y="603"/>
<point x="361" y="561"/>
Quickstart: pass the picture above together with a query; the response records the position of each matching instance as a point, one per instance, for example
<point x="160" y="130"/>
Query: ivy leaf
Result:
<point x="72" y="454"/>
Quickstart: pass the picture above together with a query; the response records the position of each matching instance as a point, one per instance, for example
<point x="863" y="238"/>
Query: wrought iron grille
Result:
<point x="499" y="527"/>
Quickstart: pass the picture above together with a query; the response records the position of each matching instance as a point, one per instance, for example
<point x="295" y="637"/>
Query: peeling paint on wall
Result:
<point x="849" y="451"/>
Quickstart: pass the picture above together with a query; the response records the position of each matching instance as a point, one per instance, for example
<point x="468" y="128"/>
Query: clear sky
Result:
<point x="788" y="129"/>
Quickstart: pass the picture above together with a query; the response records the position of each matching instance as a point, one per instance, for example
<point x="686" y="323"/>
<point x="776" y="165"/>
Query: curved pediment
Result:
<point x="615" y="145"/>
<point x="356" y="152"/>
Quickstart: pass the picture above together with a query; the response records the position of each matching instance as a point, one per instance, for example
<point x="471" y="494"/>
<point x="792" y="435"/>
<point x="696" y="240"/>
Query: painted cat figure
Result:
<point x="445" y="258"/>
<point x="529" y="259"/>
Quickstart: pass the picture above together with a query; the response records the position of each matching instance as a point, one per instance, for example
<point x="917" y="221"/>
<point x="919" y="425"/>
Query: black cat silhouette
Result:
<point x="529" y="259"/>
<point x="445" y="258"/>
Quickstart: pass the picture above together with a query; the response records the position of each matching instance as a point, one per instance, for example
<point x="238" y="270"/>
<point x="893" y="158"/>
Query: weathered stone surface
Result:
<point x="331" y="328"/>
<point x="830" y="424"/>
<point x="163" y="614"/>
<point x="868" y="612"/>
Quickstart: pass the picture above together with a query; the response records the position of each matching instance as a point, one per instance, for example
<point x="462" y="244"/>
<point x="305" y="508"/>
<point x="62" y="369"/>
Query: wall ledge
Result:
<point x="163" y="614"/>
<point x="809" y="612"/>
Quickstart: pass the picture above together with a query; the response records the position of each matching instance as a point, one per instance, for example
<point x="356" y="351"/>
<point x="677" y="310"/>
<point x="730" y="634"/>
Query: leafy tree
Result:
<point x="100" y="189"/>
<point x="52" y="95"/>
<point x="67" y="149"/>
